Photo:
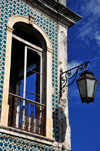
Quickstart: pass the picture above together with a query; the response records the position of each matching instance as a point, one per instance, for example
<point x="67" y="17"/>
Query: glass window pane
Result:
<point x="31" y="87"/>
<point x="33" y="76"/>
<point x="21" y="88"/>
<point x="82" y="88"/>
<point x="17" y="68"/>
<point x="90" y="87"/>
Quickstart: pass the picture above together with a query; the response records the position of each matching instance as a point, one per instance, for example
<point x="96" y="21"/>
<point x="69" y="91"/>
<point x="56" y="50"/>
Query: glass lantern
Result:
<point x="87" y="85"/>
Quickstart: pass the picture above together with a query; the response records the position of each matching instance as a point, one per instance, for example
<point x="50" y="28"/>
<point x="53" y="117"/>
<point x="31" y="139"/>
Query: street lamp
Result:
<point x="86" y="83"/>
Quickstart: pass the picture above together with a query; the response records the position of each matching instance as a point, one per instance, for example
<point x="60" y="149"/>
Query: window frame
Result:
<point x="5" y="107"/>
<point x="19" y="106"/>
<point x="39" y="51"/>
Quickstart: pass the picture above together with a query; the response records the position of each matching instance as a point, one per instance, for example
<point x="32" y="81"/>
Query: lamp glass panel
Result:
<point x="95" y="88"/>
<point x="90" y="87"/>
<point x="82" y="87"/>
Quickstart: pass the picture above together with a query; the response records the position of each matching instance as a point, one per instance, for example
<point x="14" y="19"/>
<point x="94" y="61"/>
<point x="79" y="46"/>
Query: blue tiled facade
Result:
<point x="10" y="143"/>
<point x="9" y="8"/>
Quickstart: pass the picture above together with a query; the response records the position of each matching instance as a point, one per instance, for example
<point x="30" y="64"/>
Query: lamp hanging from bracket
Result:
<point x="86" y="83"/>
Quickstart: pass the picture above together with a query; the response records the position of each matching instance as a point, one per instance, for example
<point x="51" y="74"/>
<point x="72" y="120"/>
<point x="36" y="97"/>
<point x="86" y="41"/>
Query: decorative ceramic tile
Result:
<point x="10" y="143"/>
<point x="9" y="8"/>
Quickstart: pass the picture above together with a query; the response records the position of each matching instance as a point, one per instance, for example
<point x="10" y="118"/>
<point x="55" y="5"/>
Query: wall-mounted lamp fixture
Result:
<point x="86" y="83"/>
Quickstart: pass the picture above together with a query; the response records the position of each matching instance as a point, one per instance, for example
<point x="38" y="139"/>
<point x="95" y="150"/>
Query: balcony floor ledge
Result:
<point x="26" y="135"/>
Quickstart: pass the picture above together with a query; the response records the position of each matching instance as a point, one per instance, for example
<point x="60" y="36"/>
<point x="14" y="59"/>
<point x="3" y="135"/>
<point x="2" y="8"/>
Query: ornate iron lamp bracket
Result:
<point x="64" y="76"/>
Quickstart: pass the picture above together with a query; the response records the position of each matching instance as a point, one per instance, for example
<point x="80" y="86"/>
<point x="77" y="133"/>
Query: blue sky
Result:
<point x="84" y="45"/>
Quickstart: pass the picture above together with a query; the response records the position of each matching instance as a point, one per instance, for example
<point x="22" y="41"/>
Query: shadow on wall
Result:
<point x="59" y="124"/>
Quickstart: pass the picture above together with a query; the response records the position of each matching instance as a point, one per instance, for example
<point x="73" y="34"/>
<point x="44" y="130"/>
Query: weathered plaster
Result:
<point x="64" y="128"/>
<point x="63" y="2"/>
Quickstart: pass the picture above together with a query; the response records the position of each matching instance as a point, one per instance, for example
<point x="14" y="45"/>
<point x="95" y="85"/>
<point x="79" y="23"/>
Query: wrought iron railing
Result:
<point x="26" y="115"/>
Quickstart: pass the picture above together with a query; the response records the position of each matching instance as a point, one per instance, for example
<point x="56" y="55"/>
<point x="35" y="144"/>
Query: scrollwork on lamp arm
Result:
<point x="64" y="76"/>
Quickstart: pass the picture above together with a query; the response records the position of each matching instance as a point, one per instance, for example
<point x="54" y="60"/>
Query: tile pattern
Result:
<point x="9" y="8"/>
<point x="11" y="143"/>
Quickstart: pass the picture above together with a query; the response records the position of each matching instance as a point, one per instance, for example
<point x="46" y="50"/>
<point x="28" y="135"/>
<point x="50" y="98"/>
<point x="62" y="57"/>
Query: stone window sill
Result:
<point x="26" y="135"/>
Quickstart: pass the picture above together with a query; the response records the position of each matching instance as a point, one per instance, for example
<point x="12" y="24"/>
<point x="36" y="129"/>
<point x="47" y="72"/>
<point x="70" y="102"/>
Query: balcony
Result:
<point x="26" y="115"/>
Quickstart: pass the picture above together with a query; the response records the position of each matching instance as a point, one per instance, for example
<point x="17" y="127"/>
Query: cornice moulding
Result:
<point x="55" y="11"/>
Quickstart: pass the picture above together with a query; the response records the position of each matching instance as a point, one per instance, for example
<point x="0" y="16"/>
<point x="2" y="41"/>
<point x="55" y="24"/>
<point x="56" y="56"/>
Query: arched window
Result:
<point x="26" y="108"/>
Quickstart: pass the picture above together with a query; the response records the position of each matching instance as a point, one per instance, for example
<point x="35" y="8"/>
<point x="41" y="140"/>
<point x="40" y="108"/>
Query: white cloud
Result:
<point x="97" y="36"/>
<point x="73" y="64"/>
<point x="89" y="28"/>
<point x="74" y="91"/>
<point x="96" y="60"/>
<point x="73" y="95"/>
<point x="90" y="7"/>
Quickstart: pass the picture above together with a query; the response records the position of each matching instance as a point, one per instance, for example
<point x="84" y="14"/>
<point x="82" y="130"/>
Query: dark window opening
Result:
<point x="28" y="33"/>
<point x="32" y="81"/>
<point x="25" y="109"/>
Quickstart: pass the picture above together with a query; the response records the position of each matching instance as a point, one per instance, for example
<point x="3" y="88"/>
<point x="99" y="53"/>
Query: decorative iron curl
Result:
<point x="64" y="76"/>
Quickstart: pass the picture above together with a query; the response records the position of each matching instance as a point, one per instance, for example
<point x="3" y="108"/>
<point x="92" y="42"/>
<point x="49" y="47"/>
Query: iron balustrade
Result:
<point x="26" y="115"/>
